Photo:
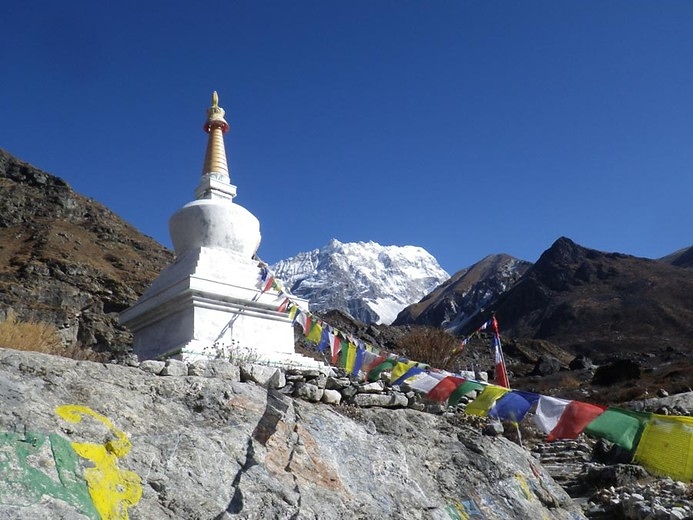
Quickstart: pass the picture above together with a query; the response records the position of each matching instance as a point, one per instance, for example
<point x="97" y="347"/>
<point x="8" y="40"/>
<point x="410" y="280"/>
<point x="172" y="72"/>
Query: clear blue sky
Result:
<point x="464" y="127"/>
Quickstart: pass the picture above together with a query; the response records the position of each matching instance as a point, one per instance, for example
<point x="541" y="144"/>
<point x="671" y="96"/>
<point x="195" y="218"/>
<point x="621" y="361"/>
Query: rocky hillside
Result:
<point x="681" y="258"/>
<point x="68" y="260"/>
<point x="83" y="440"/>
<point x="598" y="303"/>
<point x="457" y="301"/>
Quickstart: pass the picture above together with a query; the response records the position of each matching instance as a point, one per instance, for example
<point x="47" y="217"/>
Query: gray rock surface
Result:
<point x="175" y="367"/>
<point x="546" y="365"/>
<point x="681" y="403"/>
<point x="394" y="400"/>
<point x="308" y="392"/>
<point x="214" y="448"/>
<point x="214" y="368"/>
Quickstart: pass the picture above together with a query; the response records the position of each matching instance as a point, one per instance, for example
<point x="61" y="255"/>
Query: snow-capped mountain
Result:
<point x="372" y="283"/>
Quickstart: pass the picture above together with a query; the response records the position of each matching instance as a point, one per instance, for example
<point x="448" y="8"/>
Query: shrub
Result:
<point x="432" y="346"/>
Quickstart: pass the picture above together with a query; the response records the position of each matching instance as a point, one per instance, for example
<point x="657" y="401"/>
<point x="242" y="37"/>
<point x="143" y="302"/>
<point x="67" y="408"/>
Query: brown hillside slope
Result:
<point x="599" y="303"/>
<point x="681" y="258"/>
<point x="67" y="259"/>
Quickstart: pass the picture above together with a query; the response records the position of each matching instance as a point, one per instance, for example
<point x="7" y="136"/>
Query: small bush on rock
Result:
<point x="432" y="346"/>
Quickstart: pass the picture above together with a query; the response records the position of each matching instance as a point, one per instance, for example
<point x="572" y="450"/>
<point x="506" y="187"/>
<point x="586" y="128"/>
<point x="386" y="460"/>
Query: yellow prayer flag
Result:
<point x="292" y="312"/>
<point x="351" y="358"/>
<point x="666" y="446"/>
<point x="400" y="369"/>
<point x="485" y="401"/>
<point x="315" y="332"/>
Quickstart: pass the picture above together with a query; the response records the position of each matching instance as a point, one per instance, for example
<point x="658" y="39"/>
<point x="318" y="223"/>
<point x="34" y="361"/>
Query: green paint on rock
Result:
<point x="26" y="462"/>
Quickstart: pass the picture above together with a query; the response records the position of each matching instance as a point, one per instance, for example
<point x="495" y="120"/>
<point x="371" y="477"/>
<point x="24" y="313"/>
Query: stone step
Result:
<point x="559" y="458"/>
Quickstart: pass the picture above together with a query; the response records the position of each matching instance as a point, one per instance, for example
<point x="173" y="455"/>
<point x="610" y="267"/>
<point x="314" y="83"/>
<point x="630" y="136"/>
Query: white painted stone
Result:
<point x="268" y="377"/>
<point x="331" y="397"/>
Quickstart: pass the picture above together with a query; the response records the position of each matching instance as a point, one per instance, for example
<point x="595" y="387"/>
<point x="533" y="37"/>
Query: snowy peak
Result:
<point x="371" y="282"/>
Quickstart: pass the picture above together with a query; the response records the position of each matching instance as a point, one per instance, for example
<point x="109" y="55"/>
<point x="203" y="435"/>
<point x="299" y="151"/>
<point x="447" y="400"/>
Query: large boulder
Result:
<point x="620" y="370"/>
<point x="77" y="436"/>
<point x="546" y="365"/>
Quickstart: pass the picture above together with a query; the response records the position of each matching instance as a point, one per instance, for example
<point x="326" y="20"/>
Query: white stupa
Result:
<point x="210" y="302"/>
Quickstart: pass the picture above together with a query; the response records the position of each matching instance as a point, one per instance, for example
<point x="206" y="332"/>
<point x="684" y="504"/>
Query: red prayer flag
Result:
<point x="501" y="372"/>
<point x="575" y="417"/>
<point x="442" y="390"/>
<point x="336" y="346"/>
<point x="270" y="281"/>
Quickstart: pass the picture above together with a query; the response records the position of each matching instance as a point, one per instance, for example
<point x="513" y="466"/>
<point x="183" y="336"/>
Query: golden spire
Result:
<point x="216" y="126"/>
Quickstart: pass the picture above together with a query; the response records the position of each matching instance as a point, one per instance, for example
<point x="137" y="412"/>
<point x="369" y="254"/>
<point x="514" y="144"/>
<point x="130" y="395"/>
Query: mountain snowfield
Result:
<point x="371" y="282"/>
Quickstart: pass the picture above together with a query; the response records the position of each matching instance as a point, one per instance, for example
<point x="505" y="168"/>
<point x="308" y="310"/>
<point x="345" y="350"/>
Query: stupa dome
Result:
<point x="215" y="223"/>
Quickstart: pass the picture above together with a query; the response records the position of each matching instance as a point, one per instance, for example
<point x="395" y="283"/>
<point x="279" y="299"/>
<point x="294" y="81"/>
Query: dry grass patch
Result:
<point x="35" y="336"/>
<point x="39" y="336"/>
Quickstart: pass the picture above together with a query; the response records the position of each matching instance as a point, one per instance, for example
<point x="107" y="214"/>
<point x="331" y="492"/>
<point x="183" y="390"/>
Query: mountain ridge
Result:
<point x="585" y="299"/>
<point x="456" y="302"/>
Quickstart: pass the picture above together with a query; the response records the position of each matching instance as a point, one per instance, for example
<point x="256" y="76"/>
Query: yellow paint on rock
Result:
<point x="524" y="486"/>
<point x="112" y="490"/>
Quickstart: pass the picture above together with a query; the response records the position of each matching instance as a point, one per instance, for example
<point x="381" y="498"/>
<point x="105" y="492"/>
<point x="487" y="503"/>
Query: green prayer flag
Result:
<point x="463" y="389"/>
<point x="374" y="374"/>
<point x="622" y="427"/>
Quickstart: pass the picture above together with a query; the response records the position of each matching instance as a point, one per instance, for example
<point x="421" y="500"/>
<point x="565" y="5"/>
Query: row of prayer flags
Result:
<point x="662" y="444"/>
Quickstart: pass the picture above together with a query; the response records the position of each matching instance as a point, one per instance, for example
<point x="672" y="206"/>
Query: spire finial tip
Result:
<point x="215" y="99"/>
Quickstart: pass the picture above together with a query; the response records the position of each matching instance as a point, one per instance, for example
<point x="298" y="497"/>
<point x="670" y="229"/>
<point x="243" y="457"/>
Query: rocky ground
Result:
<point x="213" y="440"/>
